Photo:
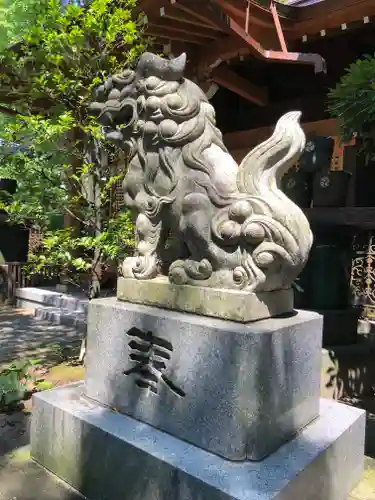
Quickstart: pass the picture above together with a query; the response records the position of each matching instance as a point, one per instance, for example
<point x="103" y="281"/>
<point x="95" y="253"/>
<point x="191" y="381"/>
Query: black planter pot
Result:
<point x="330" y="189"/>
<point x="340" y="327"/>
<point x="317" y="155"/>
<point x="364" y="179"/>
<point x="8" y="185"/>
<point x="297" y="185"/>
<point x="302" y="289"/>
<point x="328" y="275"/>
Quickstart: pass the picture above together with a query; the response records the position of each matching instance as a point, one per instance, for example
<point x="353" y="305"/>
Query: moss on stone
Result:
<point x="365" y="490"/>
<point x="19" y="455"/>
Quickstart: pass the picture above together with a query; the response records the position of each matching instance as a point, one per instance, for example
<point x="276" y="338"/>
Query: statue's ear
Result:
<point x="167" y="69"/>
<point x="179" y="63"/>
<point x="176" y="68"/>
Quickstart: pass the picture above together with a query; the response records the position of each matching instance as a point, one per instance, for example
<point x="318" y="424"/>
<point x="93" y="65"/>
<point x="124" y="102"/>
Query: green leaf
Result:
<point x="352" y="101"/>
<point x="44" y="385"/>
<point x="35" y="362"/>
<point x="63" y="54"/>
<point x="10" y="398"/>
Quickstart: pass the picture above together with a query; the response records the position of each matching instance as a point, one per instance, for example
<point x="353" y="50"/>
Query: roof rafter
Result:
<point x="175" y="15"/>
<point x="224" y="77"/>
<point x="171" y="34"/>
<point x="182" y="27"/>
<point x="259" y="16"/>
<point x="203" y="13"/>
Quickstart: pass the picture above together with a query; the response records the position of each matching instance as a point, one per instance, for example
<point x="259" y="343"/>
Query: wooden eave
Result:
<point x="216" y="31"/>
<point x="327" y="15"/>
<point x="296" y="22"/>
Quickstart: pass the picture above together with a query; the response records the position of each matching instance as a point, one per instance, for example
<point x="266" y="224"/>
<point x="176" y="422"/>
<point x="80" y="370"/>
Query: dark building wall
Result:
<point x="14" y="242"/>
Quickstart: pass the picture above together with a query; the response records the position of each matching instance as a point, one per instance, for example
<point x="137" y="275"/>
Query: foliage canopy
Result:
<point x="352" y="102"/>
<point x="47" y="80"/>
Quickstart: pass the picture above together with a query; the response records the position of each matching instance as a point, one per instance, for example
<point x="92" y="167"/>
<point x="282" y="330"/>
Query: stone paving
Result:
<point x="21" y="335"/>
<point x="23" y="479"/>
<point x="366" y="488"/>
<point x="20" y="478"/>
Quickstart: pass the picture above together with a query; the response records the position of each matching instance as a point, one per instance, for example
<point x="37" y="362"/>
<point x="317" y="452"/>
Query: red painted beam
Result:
<point x="273" y="55"/>
<point x="278" y="27"/>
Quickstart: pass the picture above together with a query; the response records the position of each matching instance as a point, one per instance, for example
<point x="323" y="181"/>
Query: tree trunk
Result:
<point x="70" y="220"/>
<point x="96" y="156"/>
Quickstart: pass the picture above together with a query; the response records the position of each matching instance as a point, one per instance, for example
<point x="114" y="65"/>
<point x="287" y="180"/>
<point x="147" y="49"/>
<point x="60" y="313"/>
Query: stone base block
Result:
<point x="108" y="456"/>
<point x="234" y="305"/>
<point x="236" y="390"/>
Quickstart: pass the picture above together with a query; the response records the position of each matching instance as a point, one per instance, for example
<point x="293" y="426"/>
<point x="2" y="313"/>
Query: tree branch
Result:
<point x="72" y="214"/>
<point x="9" y="111"/>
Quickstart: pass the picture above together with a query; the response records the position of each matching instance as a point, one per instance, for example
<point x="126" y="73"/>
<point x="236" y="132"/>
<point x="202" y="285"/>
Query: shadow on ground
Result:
<point x="367" y="404"/>
<point x="20" y="477"/>
<point x="22" y="336"/>
<point x="348" y="375"/>
<point x="23" y="479"/>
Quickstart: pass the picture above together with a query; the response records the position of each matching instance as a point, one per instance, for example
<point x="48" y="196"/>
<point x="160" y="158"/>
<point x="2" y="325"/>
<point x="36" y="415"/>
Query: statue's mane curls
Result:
<point x="155" y="101"/>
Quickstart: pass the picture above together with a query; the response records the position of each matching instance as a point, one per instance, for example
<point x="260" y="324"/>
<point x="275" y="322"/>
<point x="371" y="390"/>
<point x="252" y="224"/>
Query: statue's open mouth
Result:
<point x="115" y="113"/>
<point x="126" y="114"/>
<point x="117" y="119"/>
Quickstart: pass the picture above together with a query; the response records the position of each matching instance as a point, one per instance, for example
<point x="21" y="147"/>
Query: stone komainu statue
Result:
<point x="231" y="226"/>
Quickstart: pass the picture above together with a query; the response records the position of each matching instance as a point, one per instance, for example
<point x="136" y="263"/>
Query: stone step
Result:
<point x="32" y="298"/>
<point x="61" y="316"/>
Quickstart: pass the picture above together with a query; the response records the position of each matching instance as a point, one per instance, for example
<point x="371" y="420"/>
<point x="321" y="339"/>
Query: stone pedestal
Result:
<point x="182" y="406"/>
<point x="237" y="390"/>
<point x="234" y="305"/>
<point x="108" y="456"/>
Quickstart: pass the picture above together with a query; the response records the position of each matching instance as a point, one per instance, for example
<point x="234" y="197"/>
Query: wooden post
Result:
<point x="11" y="282"/>
<point x="337" y="162"/>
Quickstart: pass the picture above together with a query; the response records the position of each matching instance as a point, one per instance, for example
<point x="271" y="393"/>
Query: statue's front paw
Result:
<point x="142" y="267"/>
<point x="128" y="266"/>
<point x="177" y="274"/>
<point x="184" y="271"/>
